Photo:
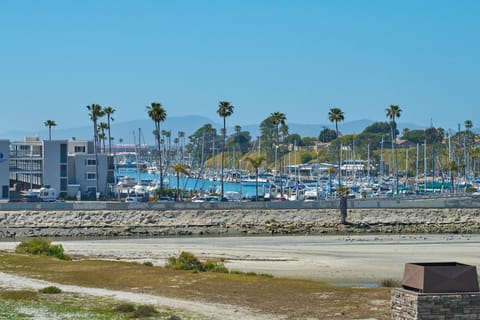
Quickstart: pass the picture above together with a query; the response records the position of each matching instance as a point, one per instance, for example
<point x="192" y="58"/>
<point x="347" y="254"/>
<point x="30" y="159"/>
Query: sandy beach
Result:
<point x="333" y="259"/>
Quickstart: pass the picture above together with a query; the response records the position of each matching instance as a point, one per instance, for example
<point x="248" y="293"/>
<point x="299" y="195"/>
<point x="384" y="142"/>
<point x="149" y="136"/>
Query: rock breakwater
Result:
<point x="78" y="223"/>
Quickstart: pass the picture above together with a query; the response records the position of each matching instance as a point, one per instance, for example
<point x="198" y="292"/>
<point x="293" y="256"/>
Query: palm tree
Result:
<point x="102" y="126"/>
<point x="468" y="125"/>
<point x="167" y="134"/>
<point x="336" y="115"/>
<point x="181" y="135"/>
<point x="101" y="138"/>
<point x="277" y="119"/>
<point x="394" y="112"/>
<point x="180" y="168"/>
<point x="225" y="109"/>
<point x="256" y="162"/>
<point x="177" y="147"/>
<point x="108" y="112"/>
<point x="158" y="114"/>
<point x="49" y="124"/>
<point x="96" y="113"/>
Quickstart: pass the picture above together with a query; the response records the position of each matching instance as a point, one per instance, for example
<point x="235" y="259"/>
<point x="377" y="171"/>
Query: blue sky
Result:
<point x="298" y="57"/>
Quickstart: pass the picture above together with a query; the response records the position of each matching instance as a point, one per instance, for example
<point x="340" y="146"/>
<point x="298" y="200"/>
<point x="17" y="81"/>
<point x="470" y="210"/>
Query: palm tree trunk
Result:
<point x="160" y="165"/>
<point x="452" y="183"/>
<point x="178" y="186"/>
<point x="109" y="137"/>
<point x="223" y="153"/>
<point x="256" y="184"/>
<point x="95" y="146"/>
<point x="339" y="156"/>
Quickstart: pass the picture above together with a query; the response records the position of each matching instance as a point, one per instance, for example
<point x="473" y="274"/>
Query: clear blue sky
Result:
<point x="298" y="57"/>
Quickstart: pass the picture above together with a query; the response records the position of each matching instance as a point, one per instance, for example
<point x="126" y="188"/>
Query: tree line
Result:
<point x="276" y="142"/>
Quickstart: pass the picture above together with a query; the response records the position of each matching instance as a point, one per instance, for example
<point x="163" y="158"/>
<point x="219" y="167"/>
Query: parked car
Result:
<point x="31" y="198"/>
<point x="166" y="199"/>
<point x="131" y="199"/>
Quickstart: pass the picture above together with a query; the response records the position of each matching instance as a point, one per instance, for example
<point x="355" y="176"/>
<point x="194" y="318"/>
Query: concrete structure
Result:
<point x="67" y="166"/>
<point x="410" y="305"/>
<point x="82" y="172"/>
<point x="35" y="163"/>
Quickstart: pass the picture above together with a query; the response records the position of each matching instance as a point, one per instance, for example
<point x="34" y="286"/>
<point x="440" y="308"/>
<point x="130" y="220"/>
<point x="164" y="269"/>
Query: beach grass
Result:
<point x="292" y="298"/>
<point x="26" y="304"/>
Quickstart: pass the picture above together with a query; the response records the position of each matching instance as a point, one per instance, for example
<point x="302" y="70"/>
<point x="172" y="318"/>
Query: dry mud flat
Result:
<point x="333" y="259"/>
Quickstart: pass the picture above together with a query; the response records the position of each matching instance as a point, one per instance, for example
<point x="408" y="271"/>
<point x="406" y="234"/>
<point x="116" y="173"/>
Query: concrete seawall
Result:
<point x="228" y="220"/>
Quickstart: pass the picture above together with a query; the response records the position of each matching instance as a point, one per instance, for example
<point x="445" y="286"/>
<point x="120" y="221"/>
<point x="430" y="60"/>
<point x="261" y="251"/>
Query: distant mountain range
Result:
<point x="189" y="124"/>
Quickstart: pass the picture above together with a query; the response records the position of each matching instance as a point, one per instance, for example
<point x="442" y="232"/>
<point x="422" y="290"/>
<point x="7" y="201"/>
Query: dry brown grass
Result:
<point x="295" y="298"/>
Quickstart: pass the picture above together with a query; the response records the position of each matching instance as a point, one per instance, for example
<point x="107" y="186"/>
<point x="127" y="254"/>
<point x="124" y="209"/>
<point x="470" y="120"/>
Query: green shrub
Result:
<point x="266" y="275"/>
<point x="251" y="274"/>
<point x="187" y="261"/>
<point x="144" y="311"/>
<point x="42" y="247"/>
<point x="148" y="264"/>
<point x="125" y="308"/>
<point x="50" y="290"/>
<point x="174" y="317"/>
<point x="215" y="266"/>
<point x="390" y="283"/>
<point x="56" y="250"/>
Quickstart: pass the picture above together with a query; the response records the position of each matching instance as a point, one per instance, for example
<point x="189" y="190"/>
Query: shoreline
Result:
<point x="236" y="222"/>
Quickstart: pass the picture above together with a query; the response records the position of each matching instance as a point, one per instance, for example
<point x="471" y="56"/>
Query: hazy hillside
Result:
<point x="189" y="124"/>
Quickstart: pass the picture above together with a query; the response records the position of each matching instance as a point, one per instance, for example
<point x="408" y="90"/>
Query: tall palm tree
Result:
<point x="108" y="112"/>
<point x="394" y="112"/>
<point x="336" y="115"/>
<point x="158" y="114"/>
<point x="277" y="119"/>
<point x="167" y="134"/>
<point x="177" y="147"/>
<point x="180" y="168"/>
<point x="256" y="162"/>
<point x="468" y="125"/>
<point x="225" y="109"/>
<point x="101" y="138"/>
<point x="181" y="135"/>
<point x="102" y="126"/>
<point x="49" y="124"/>
<point x="96" y="112"/>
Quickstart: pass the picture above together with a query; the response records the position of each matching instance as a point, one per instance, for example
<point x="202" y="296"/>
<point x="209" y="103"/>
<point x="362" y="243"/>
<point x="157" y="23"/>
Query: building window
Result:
<point x="79" y="149"/>
<point x="90" y="176"/>
<point x="90" y="162"/>
<point x="63" y="153"/>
